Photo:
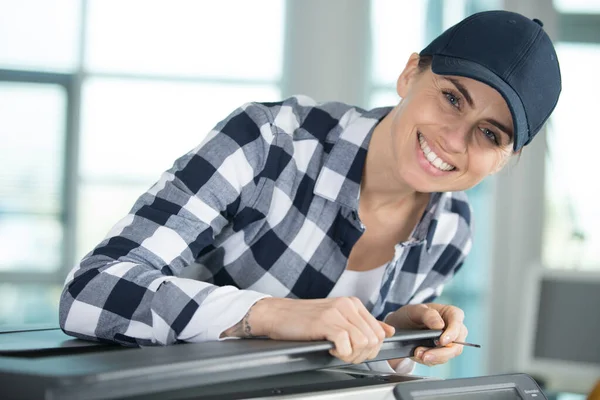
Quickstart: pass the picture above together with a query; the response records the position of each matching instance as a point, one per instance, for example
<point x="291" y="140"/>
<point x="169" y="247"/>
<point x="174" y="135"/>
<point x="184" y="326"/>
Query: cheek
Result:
<point x="401" y="127"/>
<point x="487" y="163"/>
<point x="414" y="112"/>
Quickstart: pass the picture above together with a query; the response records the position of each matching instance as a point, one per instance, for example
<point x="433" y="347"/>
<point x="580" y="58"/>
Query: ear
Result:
<point x="408" y="75"/>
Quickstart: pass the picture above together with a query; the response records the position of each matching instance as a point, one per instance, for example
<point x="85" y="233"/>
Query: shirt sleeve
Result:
<point x="129" y="289"/>
<point x="404" y="367"/>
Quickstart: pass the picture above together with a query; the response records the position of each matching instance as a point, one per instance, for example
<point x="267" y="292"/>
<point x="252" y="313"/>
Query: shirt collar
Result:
<point x="341" y="174"/>
<point x="339" y="179"/>
<point x="425" y="229"/>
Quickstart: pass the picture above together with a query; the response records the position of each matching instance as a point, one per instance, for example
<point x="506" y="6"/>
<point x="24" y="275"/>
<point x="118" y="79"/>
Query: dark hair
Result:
<point x="425" y="63"/>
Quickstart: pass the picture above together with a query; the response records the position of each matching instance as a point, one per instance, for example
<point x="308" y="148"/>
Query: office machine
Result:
<point x="47" y="364"/>
<point x="560" y="325"/>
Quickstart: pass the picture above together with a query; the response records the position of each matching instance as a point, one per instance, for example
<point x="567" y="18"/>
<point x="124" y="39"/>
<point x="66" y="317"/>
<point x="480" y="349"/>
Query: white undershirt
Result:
<point x="362" y="284"/>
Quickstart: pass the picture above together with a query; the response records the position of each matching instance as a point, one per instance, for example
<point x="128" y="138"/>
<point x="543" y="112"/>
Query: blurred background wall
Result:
<point x="98" y="97"/>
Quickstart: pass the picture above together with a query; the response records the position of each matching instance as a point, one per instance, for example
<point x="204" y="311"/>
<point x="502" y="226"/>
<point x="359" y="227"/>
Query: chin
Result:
<point x="421" y="183"/>
<point x="425" y="184"/>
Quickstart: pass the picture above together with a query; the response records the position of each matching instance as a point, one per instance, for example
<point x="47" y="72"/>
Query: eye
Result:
<point x="491" y="136"/>
<point x="452" y="99"/>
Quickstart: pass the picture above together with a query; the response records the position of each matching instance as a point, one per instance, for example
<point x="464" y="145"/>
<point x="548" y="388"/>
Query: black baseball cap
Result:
<point x="509" y="52"/>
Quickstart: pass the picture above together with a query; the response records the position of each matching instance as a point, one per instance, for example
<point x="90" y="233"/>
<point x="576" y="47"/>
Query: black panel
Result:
<point x="119" y="372"/>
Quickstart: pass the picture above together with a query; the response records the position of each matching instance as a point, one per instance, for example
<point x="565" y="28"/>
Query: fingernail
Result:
<point x="419" y="353"/>
<point x="429" y="358"/>
<point x="447" y="339"/>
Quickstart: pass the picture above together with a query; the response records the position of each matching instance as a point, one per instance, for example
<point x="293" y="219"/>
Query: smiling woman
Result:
<point x="254" y="231"/>
<point x="446" y="135"/>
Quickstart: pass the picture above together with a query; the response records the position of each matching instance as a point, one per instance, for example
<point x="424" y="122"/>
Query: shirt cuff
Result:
<point x="405" y="367"/>
<point x="222" y="309"/>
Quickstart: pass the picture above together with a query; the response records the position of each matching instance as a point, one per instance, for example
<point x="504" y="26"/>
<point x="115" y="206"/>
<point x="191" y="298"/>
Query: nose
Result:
<point x="455" y="138"/>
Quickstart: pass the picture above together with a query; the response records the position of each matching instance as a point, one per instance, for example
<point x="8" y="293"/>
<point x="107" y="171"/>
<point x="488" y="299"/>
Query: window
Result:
<point x="40" y="35"/>
<point x="232" y="39"/>
<point x="572" y="220"/>
<point x="577" y="6"/>
<point x="31" y="183"/>
<point x="97" y="98"/>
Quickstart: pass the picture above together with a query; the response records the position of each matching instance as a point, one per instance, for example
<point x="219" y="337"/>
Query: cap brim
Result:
<point x="445" y="65"/>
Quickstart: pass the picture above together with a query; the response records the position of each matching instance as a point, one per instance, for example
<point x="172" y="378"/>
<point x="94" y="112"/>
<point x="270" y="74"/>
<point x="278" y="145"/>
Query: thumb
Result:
<point x="424" y="316"/>
<point x="388" y="329"/>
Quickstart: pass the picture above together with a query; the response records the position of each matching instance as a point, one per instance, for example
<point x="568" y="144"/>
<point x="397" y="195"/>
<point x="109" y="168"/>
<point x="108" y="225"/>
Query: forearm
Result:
<point x="253" y="323"/>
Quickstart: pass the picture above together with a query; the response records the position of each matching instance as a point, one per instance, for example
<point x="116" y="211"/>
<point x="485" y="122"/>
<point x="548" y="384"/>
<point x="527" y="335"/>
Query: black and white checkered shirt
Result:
<point x="266" y="205"/>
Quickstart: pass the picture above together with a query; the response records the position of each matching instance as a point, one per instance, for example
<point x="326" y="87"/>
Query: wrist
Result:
<point x="250" y="325"/>
<point x="258" y="321"/>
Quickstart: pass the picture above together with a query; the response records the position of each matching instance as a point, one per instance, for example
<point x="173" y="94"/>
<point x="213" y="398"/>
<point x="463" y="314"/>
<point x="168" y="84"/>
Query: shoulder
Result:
<point x="453" y="220"/>
<point x="301" y="117"/>
<point x="457" y="203"/>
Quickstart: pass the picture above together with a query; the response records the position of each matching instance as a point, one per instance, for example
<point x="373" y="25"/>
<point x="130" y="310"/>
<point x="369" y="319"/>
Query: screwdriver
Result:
<point x="468" y="344"/>
<point x="437" y="343"/>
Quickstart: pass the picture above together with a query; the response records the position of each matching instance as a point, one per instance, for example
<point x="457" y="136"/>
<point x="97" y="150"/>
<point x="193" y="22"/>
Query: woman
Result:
<point x="305" y="221"/>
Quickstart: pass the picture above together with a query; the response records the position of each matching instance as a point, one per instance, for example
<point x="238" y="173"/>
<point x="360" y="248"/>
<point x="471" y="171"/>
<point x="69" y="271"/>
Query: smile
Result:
<point x="433" y="158"/>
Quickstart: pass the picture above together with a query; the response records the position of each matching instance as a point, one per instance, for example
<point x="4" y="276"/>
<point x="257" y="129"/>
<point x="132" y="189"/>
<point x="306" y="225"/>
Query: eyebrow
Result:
<point x="502" y="127"/>
<point x="463" y="90"/>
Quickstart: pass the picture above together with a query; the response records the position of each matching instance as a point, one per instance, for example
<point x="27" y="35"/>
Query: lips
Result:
<point x="433" y="159"/>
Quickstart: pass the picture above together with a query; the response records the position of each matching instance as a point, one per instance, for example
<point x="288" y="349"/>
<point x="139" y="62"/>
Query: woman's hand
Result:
<point x="345" y="321"/>
<point x="432" y="316"/>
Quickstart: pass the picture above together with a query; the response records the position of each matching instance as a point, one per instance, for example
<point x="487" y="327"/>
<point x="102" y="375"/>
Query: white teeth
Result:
<point x="432" y="157"/>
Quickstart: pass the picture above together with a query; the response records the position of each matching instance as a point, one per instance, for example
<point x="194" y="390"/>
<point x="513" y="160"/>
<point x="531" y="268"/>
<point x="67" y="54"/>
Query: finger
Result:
<point x="376" y="330"/>
<point x="462" y="338"/>
<point x="336" y="354"/>
<point x="342" y="344"/>
<point x="389" y="332"/>
<point x="355" y="327"/>
<point x="375" y="325"/>
<point x="454" y="318"/>
<point x="352" y="323"/>
<point x="418" y="354"/>
<point x="463" y="334"/>
<point x="360" y="344"/>
<point x="388" y="329"/>
<point x="441" y="355"/>
<point x="370" y="329"/>
<point x="345" y="359"/>
<point x="424" y="316"/>
<point x="452" y="350"/>
<point x="365" y="344"/>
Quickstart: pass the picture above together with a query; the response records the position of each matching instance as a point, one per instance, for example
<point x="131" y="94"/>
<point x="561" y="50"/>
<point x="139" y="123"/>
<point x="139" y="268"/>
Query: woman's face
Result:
<point x="448" y="132"/>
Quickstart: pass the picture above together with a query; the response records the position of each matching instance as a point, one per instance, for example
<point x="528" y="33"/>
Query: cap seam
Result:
<point x="469" y="20"/>
<point x="517" y="62"/>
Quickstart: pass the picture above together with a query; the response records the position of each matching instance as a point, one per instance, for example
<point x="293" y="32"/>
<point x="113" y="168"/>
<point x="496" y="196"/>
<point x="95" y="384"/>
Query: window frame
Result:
<point x="68" y="196"/>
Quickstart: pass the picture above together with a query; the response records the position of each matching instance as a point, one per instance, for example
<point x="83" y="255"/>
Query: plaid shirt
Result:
<point x="266" y="205"/>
